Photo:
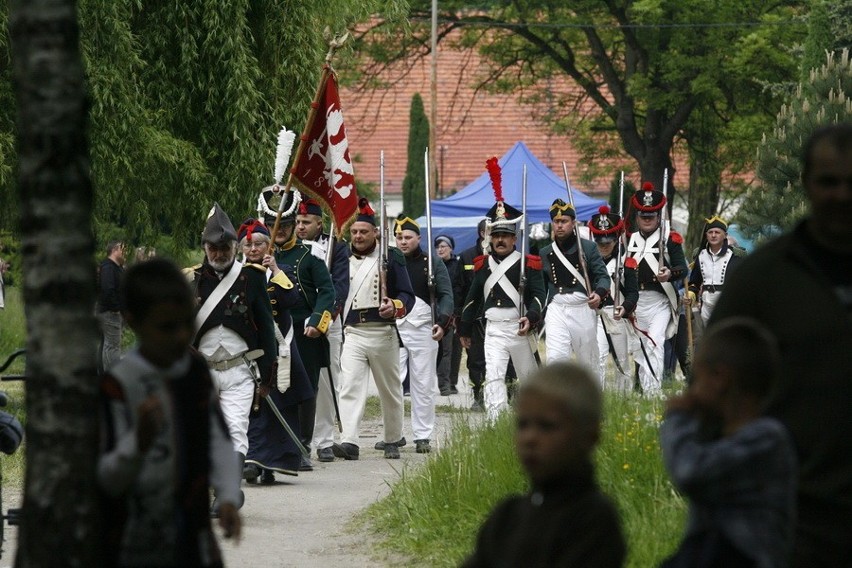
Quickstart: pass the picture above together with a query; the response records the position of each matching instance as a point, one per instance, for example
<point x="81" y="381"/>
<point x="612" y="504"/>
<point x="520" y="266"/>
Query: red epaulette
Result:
<point x="676" y="238"/>
<point x="630" y="263"/>
<point x="534" y="261"/>
<point x="479" y="261"/>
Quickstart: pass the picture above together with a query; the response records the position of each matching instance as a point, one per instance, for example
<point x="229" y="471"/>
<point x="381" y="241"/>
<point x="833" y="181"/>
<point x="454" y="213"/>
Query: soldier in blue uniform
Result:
<point x="494" y="296"/>
<point x="378" y="296"/>
<point x="309" y="230"/>
<point x="571" y="324"/>
<point x="271" y="448"/>
<point x="312" y="316"/>
<point x="234" y="317"/>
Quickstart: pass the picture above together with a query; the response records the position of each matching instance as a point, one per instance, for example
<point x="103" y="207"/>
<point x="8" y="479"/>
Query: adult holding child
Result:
<point x="799" y="286"/>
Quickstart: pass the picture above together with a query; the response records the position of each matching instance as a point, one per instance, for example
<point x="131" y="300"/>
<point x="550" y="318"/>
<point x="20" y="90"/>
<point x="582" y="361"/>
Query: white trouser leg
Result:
<point x="324" y="424"/>
<point x="653" y="313"/>
<point x="571" y="327"/>
<point x="236" y="392"/>
<point x="620" y="335"/>
<point x="370" y="349"/>
<point x="501" y="342"/>
<point x="421" y="352"/>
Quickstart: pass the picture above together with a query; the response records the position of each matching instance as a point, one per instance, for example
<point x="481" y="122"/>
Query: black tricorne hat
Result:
<point x="405" y="223"/>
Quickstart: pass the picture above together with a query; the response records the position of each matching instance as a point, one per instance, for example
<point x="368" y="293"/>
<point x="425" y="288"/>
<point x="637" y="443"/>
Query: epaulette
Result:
<point x="534" y="261"/>
<point x="479" y="262"/>
<point x="189" y="270"/>
<point x="630" y="263"/>
<point x="396" y="254"/>
<point x="255" y="266"/>
<point x="676" y="238"/>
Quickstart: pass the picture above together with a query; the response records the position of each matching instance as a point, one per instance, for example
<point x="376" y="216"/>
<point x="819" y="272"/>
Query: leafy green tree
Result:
<point x="414" y="183"/>
<point x="186" y="102"/>
<point x="645" y="66"/>
<point x="779" y="201"/>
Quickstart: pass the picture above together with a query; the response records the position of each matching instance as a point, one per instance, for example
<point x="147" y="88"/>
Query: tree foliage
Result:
<point x="656" y="71"/>
<point x="414" y="183"/>
<point x="186" y="102"/>
<point x="779" y="201"/>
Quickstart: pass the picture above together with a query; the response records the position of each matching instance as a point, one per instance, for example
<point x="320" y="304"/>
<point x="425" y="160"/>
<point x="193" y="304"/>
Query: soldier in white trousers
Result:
<point x="371" y="341"/>
<point x="613" y="328"/>
<point x="494" y="295"/>
<point x="570" y="323"/>
<point x="657" y="309"/>
<point x="419" y="333"/>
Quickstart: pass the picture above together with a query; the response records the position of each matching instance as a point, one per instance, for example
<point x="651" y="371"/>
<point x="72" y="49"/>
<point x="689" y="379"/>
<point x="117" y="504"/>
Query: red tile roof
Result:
<point x="471" y="126"/>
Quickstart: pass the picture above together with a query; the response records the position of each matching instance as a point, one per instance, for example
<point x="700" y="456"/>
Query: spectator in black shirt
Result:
<point x="109" y="314"/>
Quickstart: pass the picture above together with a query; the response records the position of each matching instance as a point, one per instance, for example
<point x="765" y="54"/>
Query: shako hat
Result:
<point x="605" y="225"/>
<point x="502" y="217"/>
<point x="218" y="229"/>
<point x="269" y="201"/>
<point x="648" y="201"/>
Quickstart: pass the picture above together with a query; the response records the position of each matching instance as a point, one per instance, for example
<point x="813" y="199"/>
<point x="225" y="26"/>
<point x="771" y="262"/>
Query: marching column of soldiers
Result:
<point x="289" y="316"/>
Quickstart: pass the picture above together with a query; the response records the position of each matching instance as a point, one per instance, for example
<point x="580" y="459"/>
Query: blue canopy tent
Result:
<point x="458" y="214"/>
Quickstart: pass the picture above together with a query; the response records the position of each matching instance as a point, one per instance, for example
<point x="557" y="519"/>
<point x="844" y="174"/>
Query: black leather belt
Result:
<point x="712" y="288"/>
<point x="368" y="315"/>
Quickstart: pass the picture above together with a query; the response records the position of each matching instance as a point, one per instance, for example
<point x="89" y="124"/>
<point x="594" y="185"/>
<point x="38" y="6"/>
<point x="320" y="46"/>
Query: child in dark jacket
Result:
<point x="736" y="465"/>
<point x="165" y="442"/>
<point x="564" y="520"/>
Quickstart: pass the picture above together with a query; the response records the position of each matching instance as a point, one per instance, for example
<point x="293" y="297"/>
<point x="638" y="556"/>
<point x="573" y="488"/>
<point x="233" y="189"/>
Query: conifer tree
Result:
<point x="414" y="183"/>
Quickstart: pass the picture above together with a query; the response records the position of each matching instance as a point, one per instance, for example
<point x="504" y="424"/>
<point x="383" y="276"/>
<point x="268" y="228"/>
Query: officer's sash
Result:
<point x="218" y="293"/>
<point x="571" y="268"/>
<point x="498" y="271"/>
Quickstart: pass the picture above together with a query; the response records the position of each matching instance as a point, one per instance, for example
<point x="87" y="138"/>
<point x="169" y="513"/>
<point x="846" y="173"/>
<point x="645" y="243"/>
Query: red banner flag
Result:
<point x="324" y="169"/>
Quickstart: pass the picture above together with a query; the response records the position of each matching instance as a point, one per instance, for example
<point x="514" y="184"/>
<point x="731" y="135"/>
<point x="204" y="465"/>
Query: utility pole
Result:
<point x="433" y="111"/>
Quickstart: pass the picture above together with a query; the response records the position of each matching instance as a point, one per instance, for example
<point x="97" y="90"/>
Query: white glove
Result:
<point x="283" y="374"/>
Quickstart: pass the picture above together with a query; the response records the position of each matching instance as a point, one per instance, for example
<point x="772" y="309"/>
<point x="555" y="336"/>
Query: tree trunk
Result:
<point x="704" y="182"/>
<point x="60" y="514"/>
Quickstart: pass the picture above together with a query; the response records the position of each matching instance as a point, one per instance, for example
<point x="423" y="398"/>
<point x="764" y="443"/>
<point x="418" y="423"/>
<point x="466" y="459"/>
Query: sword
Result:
<point x="248" y="358"/>
<point x="611" y="346"/>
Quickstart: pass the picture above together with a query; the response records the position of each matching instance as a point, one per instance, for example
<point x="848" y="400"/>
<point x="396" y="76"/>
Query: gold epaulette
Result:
<point x="255" y="266"/>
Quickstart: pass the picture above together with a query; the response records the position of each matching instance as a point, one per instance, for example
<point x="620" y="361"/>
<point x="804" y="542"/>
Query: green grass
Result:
<point x="447" y="499"/>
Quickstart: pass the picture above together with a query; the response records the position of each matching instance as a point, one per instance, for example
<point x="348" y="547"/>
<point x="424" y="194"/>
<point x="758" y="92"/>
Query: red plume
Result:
<point x="364" y="207"/>
<point x="496" y="177"/>
<point x="647" y="186"/>
<point x="604" y="210"/>
<point x="303" y="208"/>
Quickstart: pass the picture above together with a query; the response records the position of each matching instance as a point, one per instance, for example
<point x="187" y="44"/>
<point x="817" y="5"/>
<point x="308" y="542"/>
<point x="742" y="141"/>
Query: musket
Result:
<point x="663" y="220"/>
<point x="688" y="315"/>
<point x="429" y="270"/>
<point x="616" y="294"/>
<point x="329" y="259"/>
<point x="581" y="254"/>
<point x="383" y="235"/>
<point x="522" y="281"/>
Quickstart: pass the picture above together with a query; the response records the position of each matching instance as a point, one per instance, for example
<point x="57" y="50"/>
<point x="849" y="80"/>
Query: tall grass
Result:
<point x="433" y="514"/>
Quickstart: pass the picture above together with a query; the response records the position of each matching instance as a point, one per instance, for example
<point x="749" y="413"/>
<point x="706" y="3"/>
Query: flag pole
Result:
<point x="333" y="45"/>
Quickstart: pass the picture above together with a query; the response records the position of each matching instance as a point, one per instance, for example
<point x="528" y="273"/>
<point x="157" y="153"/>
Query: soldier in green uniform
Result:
<point x="313" y="314"/>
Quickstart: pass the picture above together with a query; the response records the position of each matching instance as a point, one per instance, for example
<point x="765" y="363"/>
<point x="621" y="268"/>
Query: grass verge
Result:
<point x="433" y="513"/>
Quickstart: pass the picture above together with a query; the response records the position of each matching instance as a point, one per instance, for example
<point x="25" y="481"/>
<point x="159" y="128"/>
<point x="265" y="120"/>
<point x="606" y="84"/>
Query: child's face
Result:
<point x="164" y="333"/>
<point x="547" y="441"/>
<point x="709" y="384"/>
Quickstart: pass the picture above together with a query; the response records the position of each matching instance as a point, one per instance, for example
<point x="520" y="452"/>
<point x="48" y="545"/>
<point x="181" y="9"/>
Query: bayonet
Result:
<point x="581" y="255"/>
<point x="429" y="270"/>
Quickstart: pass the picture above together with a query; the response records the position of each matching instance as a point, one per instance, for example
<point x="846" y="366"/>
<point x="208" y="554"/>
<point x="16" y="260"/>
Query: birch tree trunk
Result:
<point x="60" y="514"/>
